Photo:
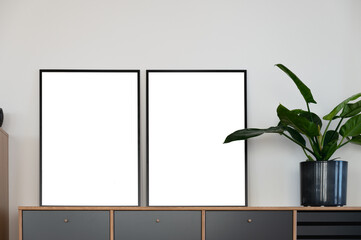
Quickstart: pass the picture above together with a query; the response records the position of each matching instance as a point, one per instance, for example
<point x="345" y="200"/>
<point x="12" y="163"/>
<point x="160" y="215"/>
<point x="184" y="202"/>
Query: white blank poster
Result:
<point x="89" y="135"/>
<point x="190" y="113"/>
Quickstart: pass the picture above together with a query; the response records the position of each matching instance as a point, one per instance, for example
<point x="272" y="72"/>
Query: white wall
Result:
<point x="319" y="40"/>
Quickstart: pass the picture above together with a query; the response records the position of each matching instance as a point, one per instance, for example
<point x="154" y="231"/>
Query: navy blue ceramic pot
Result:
<point x="323" y="183"/>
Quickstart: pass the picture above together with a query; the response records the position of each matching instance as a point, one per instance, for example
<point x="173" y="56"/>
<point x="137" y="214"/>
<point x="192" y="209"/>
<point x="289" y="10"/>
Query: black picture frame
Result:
<point x="136" y="126"/>
<point x="150" y="110"/>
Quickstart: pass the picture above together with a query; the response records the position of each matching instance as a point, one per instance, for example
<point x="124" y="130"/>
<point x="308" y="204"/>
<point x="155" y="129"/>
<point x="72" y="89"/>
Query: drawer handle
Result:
<point x="249" y="220"/>
<point x="66" y="220"/>
<point x="157" y="221"/>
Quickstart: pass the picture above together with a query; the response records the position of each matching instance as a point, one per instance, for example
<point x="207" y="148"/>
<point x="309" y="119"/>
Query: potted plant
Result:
<point x="323" y="178"/>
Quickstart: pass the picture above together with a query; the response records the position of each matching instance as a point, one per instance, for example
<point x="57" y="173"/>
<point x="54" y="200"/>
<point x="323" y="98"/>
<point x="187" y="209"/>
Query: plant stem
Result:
<point x="308" y="109"/>
<point x="338" y="125"/>
<point x="315" y="149"/>
<point x="308" y="156"/>
<point x="315" y="138"/>
<point x="340" y="146"/>
<point x="324" y="133"/>
<point x="303" y="147"/>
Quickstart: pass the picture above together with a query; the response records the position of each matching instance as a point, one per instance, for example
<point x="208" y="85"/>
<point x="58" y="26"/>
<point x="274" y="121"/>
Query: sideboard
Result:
<point x="4" y="185"/>
<point x="191" y="223"/>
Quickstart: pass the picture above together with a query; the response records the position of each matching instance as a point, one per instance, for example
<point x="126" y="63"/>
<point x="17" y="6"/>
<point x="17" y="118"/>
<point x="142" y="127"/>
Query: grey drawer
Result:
<point x="329" y="224"/>
<point x="66" y="225"/>
<point x="249" y="225"/>
<point x="157" y="225"/>
<point x="329" y="216"/>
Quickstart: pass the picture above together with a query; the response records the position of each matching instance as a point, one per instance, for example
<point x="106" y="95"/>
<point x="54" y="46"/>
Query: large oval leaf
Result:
<point x="352" y="127"/>
<point x="311" y="117"/>
<point x="351" y="110"/>
<point x="250" y="133"/>
<point x="338" y="108"/>
<point x="301" y="124"/>
<point x="305" y="91"/>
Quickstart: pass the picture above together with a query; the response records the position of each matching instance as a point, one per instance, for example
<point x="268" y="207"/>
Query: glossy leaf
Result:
<point x="316" y="150"/>
<point x="351" y="110"/>
<point x="250" y="133"/>
<point x="300" y="124"/>
<point x="312" y="117"/>
<point x="339" y="107"/>
<point x="356" y="140"/>
<point x="352" y="127"/>
<point x="330" y="136"/>
<point x="296" y="136"/>
<point x="329" y="151"/>
<point x="330" y="144"/>
<point x="305" y="91"/>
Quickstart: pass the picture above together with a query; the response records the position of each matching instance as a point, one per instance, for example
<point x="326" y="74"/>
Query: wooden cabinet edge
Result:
<point x="294" y="225"/>
<point x="192" y="208"/>
<point x="111" y="212"/>
<point x="203" y="225"/>
<point x="4" y="184"/>
<point x="5" y="133"/>
<point x="20" y="213"/>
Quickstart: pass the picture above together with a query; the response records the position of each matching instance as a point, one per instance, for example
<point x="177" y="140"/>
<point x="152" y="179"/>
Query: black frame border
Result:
<point x="147" y="127"/>
<point x="41" y="71"/>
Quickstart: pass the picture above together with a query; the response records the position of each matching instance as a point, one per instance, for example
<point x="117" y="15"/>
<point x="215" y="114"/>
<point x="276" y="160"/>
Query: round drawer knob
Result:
<point x="249" y="220"/>
<point x="157" y="221"/>
<point x="66" y="220"/>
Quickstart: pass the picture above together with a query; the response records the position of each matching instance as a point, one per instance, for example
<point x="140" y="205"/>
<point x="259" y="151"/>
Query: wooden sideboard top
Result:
<point x="2" y="131"/>
<point x="299" y="208"/>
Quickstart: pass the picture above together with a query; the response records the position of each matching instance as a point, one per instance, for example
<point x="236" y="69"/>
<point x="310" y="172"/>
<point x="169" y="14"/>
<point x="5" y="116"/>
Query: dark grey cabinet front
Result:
<point x="157" y="225"/>
<point x="66" y="225"/>
<point x="248" y="225"/>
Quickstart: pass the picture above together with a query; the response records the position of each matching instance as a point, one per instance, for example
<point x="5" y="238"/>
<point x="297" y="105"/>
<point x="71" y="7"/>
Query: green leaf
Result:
<point x="300" y="124"/>
<point x="329" y="144"/>
<point x="351" y="110"/>
<point x="305" y="91"/>
<point x="352" y="127"/>
<point x="316" y="150"/>
<point x="329" y="151"/>
<point x="309" y="158"/>
<point x="338" y="108"/>
<point x="312" y="117"/>
<point x="356" y="140"/>
<point x="330" y="136"/>
<point x="296" y="136"/>
<point x="250" y="133"/>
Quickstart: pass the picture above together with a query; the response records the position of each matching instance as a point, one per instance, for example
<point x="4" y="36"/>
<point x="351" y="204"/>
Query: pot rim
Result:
<point x="323" y="162"/>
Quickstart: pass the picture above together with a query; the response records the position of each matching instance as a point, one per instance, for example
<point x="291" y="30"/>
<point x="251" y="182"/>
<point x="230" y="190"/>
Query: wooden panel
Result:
<point x="111" y="225"/>
<point x="4" y="185"/>
<point x="203" y="225"/>
<point x="196" y="208"/>
<point x="294" y="228"/>
<point x="20" y="224"/>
